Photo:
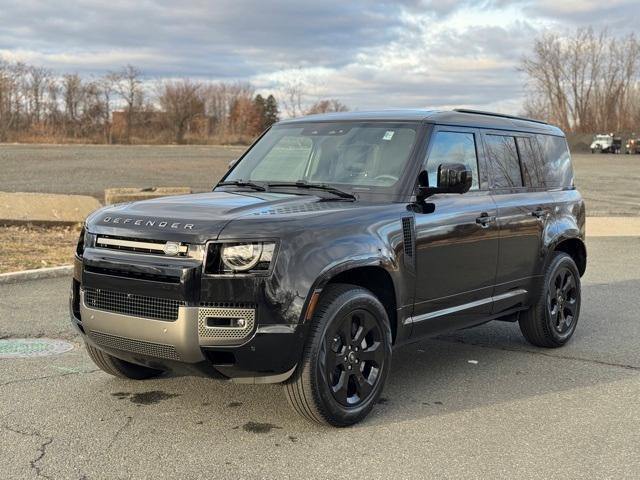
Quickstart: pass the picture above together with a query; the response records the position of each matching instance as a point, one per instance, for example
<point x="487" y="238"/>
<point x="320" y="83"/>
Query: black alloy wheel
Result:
<point x="551" y="321"/>
<point x="353" y="355"/>
<point x="346" y="358"/>
<point x="562" y="300"/>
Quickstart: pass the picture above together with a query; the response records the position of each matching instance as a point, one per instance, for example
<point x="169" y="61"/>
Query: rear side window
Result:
<point x="452" y="147"/>
<point x="503" y="158"/>
<point x="557" y="169"/>
<point x="530" y="163"/>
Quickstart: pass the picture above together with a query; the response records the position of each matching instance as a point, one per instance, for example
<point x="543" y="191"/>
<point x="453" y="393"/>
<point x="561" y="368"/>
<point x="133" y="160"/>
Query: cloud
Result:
<point x="367" y="53"/>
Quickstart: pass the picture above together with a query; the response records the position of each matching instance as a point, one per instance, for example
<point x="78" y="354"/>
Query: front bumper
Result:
<point x="265" y="352"/>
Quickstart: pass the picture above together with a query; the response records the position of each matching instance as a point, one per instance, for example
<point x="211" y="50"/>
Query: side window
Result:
<point x="452" y="147"/>
<point x="557" y="168"/>
<point x="283" y="160"/>
<point x="531" y="165"/>
<point x="503" y="157"/>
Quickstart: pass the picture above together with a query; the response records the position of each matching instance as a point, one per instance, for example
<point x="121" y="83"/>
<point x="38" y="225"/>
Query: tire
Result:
<point x="552" y="321"/>
<point x="119" y="368"/>
<point x="346" y="358"/>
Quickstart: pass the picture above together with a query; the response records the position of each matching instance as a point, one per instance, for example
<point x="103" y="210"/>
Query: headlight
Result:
<point x="243" y="257"/>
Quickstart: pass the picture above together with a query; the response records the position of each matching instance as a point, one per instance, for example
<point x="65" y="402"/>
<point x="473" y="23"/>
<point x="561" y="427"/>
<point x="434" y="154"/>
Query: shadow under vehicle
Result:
<point x="332" y="240"/>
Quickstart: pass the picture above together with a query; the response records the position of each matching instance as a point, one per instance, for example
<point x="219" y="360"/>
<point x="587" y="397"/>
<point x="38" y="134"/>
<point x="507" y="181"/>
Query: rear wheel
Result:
<point x="552" y="321"/>
<point x="119" y="368"/>
<point x="346" y="359"/>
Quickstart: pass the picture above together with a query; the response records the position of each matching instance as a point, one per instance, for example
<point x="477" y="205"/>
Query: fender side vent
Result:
<point x="408" y="241"/>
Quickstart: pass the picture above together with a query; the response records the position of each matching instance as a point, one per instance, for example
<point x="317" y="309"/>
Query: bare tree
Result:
<point x="37" y="84"/>
<point x="107" y="85"/>
<point x="72" y="93"/>
<point x="182" y="102"/>
<point x="220" y="98"/>
<point x="327" y="106"/>
<point x="294" y="93"/>
<point x="583" y="82"/>
<point x="128" y="85"/>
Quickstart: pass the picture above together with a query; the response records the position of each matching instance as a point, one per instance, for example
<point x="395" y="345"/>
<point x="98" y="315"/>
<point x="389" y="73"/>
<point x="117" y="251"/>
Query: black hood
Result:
<point x="199" y="217"/>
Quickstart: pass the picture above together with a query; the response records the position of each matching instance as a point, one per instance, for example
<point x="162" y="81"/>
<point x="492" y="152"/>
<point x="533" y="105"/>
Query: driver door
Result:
<point x="456" y="244"/>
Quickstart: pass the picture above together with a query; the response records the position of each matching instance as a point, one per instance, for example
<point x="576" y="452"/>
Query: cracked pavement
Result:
<point x="519" y="412"/>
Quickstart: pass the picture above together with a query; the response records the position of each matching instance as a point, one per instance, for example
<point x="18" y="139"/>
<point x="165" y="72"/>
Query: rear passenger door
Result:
<point x="523" y="207"/>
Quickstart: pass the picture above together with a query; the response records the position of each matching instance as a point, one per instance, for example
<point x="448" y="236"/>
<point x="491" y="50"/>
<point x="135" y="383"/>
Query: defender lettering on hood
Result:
<point x="148" y="223"/>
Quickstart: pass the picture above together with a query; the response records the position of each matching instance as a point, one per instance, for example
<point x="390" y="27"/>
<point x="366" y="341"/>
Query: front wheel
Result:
<point x="346" y="358"/>
<point x="553" y="319"/>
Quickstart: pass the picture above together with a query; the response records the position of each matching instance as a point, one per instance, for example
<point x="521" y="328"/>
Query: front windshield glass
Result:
<point x="358" y="156"/>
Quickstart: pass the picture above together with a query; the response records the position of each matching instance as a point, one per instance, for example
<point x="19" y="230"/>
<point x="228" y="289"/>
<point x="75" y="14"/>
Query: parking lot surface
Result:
<point x="609" y="183"/>
<point x="480" y="403"/>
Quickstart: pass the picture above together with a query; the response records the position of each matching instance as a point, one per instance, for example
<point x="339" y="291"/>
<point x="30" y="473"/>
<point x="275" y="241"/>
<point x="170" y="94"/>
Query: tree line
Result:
<point x="585" y="82"/>
<point x="37" y="105"/>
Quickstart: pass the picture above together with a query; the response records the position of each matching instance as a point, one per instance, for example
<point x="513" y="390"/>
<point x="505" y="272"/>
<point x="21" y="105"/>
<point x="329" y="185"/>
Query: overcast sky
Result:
<point x="369" y="54"/>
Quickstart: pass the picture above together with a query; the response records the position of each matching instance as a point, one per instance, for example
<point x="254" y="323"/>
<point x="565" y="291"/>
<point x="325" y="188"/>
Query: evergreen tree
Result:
<point x="259" y="106"/>
<point x="271" y="113"/>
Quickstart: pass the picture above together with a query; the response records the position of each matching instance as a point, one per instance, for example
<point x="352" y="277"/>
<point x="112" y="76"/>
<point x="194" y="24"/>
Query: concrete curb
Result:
<point x="37" y="274"/>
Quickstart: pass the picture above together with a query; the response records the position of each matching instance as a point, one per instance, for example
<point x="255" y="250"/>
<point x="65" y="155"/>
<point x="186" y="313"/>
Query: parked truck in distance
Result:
<point x="606" y="143"/>
<point x="633" y="145"/>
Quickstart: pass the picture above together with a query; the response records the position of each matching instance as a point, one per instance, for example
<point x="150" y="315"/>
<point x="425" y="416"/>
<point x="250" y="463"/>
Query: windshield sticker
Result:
<point x="388" y="135"/>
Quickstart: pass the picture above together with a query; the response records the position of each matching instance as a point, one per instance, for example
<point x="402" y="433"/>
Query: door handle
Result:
<point x="539" y="213"/>
<point x="485" y="219"/>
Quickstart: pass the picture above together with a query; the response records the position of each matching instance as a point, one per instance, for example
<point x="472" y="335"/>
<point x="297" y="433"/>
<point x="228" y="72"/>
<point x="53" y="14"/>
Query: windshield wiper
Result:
<point x="316" y="186"/>
<point x="241" y="183"/>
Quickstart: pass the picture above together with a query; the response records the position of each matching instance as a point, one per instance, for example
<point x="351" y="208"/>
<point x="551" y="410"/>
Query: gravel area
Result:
<point x="29" y="247"/>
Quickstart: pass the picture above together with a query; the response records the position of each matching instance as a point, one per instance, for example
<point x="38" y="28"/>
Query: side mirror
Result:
<point x="232" y="163"/>
<point x="452" y="178"/>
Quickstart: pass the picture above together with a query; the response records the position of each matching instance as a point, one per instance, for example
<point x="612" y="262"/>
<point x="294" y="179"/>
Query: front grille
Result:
<point x="135" y="346"/>
<point x="131" y="304"/>
<point x="137" y="245"/>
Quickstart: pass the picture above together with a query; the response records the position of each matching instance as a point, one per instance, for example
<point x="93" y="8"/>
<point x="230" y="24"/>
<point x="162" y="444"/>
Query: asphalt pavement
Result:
<point x="608" y="183"/>
<point x="480" y="403"/>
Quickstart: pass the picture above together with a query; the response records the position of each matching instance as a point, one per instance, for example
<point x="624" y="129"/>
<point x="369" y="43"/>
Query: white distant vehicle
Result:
<point x="606" y="143"/>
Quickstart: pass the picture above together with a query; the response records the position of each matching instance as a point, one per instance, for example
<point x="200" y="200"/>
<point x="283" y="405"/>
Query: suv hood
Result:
<point x="197" y="218"/>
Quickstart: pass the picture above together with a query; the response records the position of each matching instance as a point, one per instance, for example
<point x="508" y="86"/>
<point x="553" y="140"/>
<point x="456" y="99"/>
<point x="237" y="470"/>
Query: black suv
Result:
<point x="333" y="239"/>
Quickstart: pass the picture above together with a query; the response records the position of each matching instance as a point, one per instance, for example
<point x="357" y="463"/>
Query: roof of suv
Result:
<point x="463" y="118"/>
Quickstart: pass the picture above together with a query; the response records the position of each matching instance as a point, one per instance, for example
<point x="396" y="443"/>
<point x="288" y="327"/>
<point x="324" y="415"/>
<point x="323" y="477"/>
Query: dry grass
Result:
<point x="27" y="247"/>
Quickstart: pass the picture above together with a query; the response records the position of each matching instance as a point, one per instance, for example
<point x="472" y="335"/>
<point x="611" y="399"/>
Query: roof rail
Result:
<point x="502" y="115"/>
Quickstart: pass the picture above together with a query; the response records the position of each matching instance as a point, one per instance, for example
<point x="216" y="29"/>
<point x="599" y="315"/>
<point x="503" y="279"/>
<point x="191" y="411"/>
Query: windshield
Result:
<point x="606" y="138"/>
<point x="357" y="156"/>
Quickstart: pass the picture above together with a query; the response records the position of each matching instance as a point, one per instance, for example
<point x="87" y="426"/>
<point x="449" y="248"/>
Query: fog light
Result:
<point x="241" y="322"/>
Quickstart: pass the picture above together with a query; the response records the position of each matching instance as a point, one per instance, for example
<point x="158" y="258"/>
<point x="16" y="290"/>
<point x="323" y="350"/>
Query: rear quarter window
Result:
<point x="557" y="168"/>
<point x="504" y="161"/>
<point x="533" y="173"/>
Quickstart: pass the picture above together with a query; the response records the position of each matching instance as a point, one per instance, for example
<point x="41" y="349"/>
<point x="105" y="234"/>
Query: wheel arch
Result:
<point x="575" y="248"/>
<point x="372" y="275"/>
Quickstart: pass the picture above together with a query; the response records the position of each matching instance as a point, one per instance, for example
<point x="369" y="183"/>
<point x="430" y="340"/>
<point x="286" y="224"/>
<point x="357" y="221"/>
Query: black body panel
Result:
<point x="449" y="262"/>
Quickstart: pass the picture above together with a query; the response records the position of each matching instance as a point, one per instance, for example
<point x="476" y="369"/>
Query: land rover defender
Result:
<point x="334" y="239"/>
